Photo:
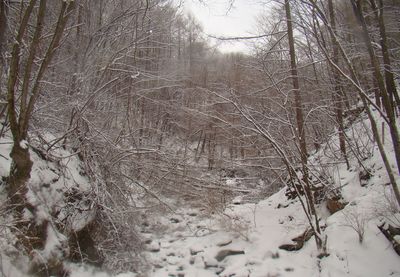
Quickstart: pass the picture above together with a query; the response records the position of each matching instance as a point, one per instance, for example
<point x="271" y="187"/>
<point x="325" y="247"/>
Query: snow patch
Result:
<point x="23" y="144"/>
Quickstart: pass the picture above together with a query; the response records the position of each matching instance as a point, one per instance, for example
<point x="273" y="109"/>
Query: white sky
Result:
<point x="218" y="20"/>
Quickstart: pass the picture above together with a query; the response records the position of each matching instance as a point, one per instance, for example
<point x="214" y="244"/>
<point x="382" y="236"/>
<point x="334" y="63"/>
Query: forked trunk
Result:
<point x="20" y="174"/>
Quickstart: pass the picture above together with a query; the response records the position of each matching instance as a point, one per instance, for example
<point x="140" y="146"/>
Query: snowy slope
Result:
<point x="244" y="240"/>
<point x="259" y="229"/>
<point x="55" y="181"/>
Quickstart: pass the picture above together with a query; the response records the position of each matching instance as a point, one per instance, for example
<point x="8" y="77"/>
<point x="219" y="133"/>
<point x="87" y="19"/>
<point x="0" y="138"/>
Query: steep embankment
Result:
<point x="59" y="207"/>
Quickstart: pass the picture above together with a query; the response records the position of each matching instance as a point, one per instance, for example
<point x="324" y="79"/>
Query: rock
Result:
<point x="334" y="205"/>
<point x="154" y="247"/>
<point x="224" y="243"/>
<point x="174" y="220"/>
<point x="280" y="206"/>
<point x="209" y="263"/>
<point x="191" y="260"/>
<point x="291" y="247"/>
<point x="275" y="255"/>
<point x="304" y="237"/>
<point x="237" y="200"/>
<point x="227" y="252"/>
<point x="202" y="232"/>
<point x="165" y="244"/>
<point x="391" y="233"/>
<point x="299" y="241"/>
<point x="194" y="250"/>
<point x="172" y="260"/>
<point x="197" y="261"/>
<point x="219" y="270"/>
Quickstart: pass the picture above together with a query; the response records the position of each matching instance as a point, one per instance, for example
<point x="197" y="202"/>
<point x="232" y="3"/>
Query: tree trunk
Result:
<point x="20" y="174"/>
<point x="300" y="123"/>
<point x="3" y="28"/>
<point x="388" y="73"/>
<point x="338" y="93"/>
<point x="30" y="234"/>
<point x="364" y="97"/>
<point x="387" y="103"/>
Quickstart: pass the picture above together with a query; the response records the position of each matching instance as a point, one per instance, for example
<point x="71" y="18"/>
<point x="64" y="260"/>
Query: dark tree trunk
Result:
<point x="3" y="28"/>
<point x="387" y="102"/>
<point x="338" y="93"/>
<point x="300" y="122"/>
<point x="388" y="73"/>
<point x="21" y="172"/>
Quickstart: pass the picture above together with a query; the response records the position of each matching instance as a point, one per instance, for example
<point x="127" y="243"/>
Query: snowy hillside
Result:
<point x="244" y="240"/>
<point x="58" y="193"/>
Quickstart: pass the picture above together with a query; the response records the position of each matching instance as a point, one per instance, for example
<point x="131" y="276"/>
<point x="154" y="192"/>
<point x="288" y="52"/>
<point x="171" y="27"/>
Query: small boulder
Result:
<point x="237" y="200"/>
<point x="174" y="220"/>
<point x="334" y="204"/>
<point x="298" y="241"/>
<point x="392" y="233"/>
<point x="227" y="252"/>
<point x="154" y="247"/>
<point x="210" y="263"/>
<point x="195" y="249"/>
<point x="224" y="243"/>
<point x="291" y="247"/>
<point x="280" y="206"/>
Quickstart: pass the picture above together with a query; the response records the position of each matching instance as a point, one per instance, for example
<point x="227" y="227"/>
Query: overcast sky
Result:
<point x="218" y="19"/>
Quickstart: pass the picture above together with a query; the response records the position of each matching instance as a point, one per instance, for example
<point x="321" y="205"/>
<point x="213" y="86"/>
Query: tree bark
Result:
<point x="388" y="72"/>
<point x="364" y="97"/>
<point x="387" y="102"/>
<point x="300" y="122"/>
<point x="19" y="115"/>
<point x="338" y="93"/>
<point x="3" y="29"/>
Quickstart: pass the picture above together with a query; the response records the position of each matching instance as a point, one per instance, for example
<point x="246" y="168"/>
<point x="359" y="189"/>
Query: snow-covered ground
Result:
<point x="257" y="231"/>
<point x="52" y="179"/>
<point x="254" y="232"/>
<point x="244" y="240"/>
